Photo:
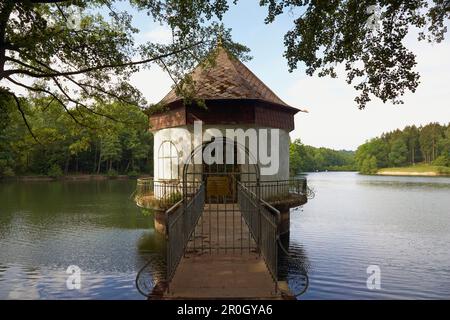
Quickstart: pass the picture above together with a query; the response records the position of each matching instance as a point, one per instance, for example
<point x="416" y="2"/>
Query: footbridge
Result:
<point x="220" y="248"/>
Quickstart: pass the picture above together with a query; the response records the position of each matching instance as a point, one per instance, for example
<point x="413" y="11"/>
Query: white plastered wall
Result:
<point x="183" y="140"/>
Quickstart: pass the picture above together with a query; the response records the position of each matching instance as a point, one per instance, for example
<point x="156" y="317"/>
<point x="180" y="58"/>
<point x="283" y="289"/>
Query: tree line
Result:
<point x="429" y="144"/>
<point x="304" y="158"/>
<point x="98" y="145"/>
<point x="114" y="139"/>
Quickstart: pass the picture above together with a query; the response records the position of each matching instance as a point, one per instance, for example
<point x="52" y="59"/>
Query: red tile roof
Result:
<point x="227" y="79"/>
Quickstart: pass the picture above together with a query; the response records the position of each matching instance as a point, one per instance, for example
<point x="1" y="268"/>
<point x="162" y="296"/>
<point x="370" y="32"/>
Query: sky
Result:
<point x="333" y="120"/>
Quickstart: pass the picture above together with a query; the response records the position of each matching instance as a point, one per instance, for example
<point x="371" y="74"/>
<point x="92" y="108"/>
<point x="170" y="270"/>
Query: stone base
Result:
<point x="160" y="221"/>
<point x="284" y="206"/>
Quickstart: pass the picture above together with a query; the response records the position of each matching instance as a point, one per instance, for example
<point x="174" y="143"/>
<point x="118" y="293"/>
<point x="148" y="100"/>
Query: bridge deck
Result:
<point x="221" y="260"/>
<point x="221" y="230"/>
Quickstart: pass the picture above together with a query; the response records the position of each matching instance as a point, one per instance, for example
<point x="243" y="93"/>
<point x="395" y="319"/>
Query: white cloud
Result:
<point x="159" y="34"/>
<point x="154" y="83"/>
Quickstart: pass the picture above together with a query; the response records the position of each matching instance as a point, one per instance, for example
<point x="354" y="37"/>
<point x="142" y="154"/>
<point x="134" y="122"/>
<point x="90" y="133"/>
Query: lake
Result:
<point x="399" y="224"/>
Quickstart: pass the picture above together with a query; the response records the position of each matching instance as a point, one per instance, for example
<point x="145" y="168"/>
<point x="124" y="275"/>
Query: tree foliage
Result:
<point x="369" y="165"/>
<point x="78" y="63"/>
<point x="399" y="152"/>
<point x="305" y="158"/>
<point x="42" y="50"/>
<point x="429" y="144"/>
<point x="366" y="37"/>
<point x="66" y="148"/>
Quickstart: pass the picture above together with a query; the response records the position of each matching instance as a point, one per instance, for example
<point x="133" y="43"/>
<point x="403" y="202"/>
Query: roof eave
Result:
<point x="180" y="102"/>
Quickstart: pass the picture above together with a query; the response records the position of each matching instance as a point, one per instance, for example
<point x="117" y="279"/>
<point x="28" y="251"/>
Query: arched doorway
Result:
<point x="220" y="178"/>
<point x="221" y="227"/>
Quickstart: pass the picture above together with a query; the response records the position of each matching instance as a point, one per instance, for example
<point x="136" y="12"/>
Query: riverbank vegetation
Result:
<point x="94" y="144"/>
<point x="305" y="158"/>
<point x="413" y="149"/>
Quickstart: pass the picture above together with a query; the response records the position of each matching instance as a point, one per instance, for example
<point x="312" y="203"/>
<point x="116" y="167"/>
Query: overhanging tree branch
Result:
<point x="42" y="90"/>
<point x="24" y="117"/>
<point x="95" y="68"/>
<point x="81" y="85"/>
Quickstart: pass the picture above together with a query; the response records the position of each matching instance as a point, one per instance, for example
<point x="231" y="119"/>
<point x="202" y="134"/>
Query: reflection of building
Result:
<point x="233" y="98"/>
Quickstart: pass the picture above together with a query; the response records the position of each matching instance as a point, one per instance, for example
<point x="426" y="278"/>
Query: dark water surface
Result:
<point x="47" y="226"/>
<point x="401" y="224"/>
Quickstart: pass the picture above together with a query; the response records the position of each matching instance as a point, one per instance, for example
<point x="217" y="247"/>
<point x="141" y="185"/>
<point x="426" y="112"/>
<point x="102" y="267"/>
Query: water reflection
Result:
<point x="293" y="265"/>
<point x="45" y="227"/>
<point x="398" y="223"/>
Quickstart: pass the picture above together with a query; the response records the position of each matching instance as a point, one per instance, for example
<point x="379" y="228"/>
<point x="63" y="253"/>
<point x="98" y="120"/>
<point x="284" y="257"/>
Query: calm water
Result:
<point x="47" y="226"/>
<point x="401" y="224"/>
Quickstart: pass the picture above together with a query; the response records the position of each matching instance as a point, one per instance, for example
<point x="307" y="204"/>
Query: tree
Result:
<point x="80" y="145"/>
<point x="399" y="153"/>
<point x="296" y="154"/>
<point x="307" y="158"/>
<point x="411" y="134"/>
<point x="369" y="165"/>
<point x="444" y="142"/>
<point x="366" y="37"/>
<point x="68" y="52"/>
<point x="376" y="147"/>
<point x="72" y="55"/>
<point x="65" y="145"/>
<point x="6" y="156"/>
<point x="430" y="143"/>
<point x="429" y="137"/>
<point x="442" y="160"/>
<point x="110" y="149"/>
<point x="138" y="145"/>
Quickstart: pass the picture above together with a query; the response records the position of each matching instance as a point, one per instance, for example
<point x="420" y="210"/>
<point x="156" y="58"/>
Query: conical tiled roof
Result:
<point x="227" y="79"/>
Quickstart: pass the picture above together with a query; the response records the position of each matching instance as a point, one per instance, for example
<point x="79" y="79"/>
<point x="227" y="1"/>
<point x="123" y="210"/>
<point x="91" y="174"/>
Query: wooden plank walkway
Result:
<point x="221" y="260"/>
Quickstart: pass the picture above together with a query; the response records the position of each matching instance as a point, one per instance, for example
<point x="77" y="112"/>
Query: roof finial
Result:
<point x="219" y="38"/>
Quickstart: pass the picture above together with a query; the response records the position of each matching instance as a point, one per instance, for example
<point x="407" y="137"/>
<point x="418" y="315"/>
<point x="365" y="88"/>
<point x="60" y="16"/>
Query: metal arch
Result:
<point x="227" y="141"/>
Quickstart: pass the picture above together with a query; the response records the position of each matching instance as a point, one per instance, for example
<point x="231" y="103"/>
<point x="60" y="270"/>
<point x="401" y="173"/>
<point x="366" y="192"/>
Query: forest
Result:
<point x="108" y="139"/>
<point x="304" y="158"/>
<point x="424" y="145"/>
<point x="429" y="144"/>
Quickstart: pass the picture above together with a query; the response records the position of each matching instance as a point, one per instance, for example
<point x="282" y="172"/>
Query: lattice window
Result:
<point x="168" y="161"/>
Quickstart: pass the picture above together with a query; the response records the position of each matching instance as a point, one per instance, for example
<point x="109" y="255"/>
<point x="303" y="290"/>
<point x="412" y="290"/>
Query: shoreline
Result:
<point x="415" y="174"/>
<point x="74" y="177"/>
<point x="419" y="171"/>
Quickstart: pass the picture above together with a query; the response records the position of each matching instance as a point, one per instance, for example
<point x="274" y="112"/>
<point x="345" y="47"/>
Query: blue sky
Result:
<point x="333" y="119"/>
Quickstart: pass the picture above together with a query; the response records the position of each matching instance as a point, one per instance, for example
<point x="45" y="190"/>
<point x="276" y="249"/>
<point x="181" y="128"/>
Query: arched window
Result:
<point x="168" y="161"/>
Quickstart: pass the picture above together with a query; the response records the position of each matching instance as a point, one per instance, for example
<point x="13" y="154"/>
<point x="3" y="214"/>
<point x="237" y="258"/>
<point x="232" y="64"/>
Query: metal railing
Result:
<point x="278" y="189"/>
<point x="262" y="220"/>
<point x="162" y="194"/>
<point x="180" y="223"/>
<point x="152" y="194"/>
